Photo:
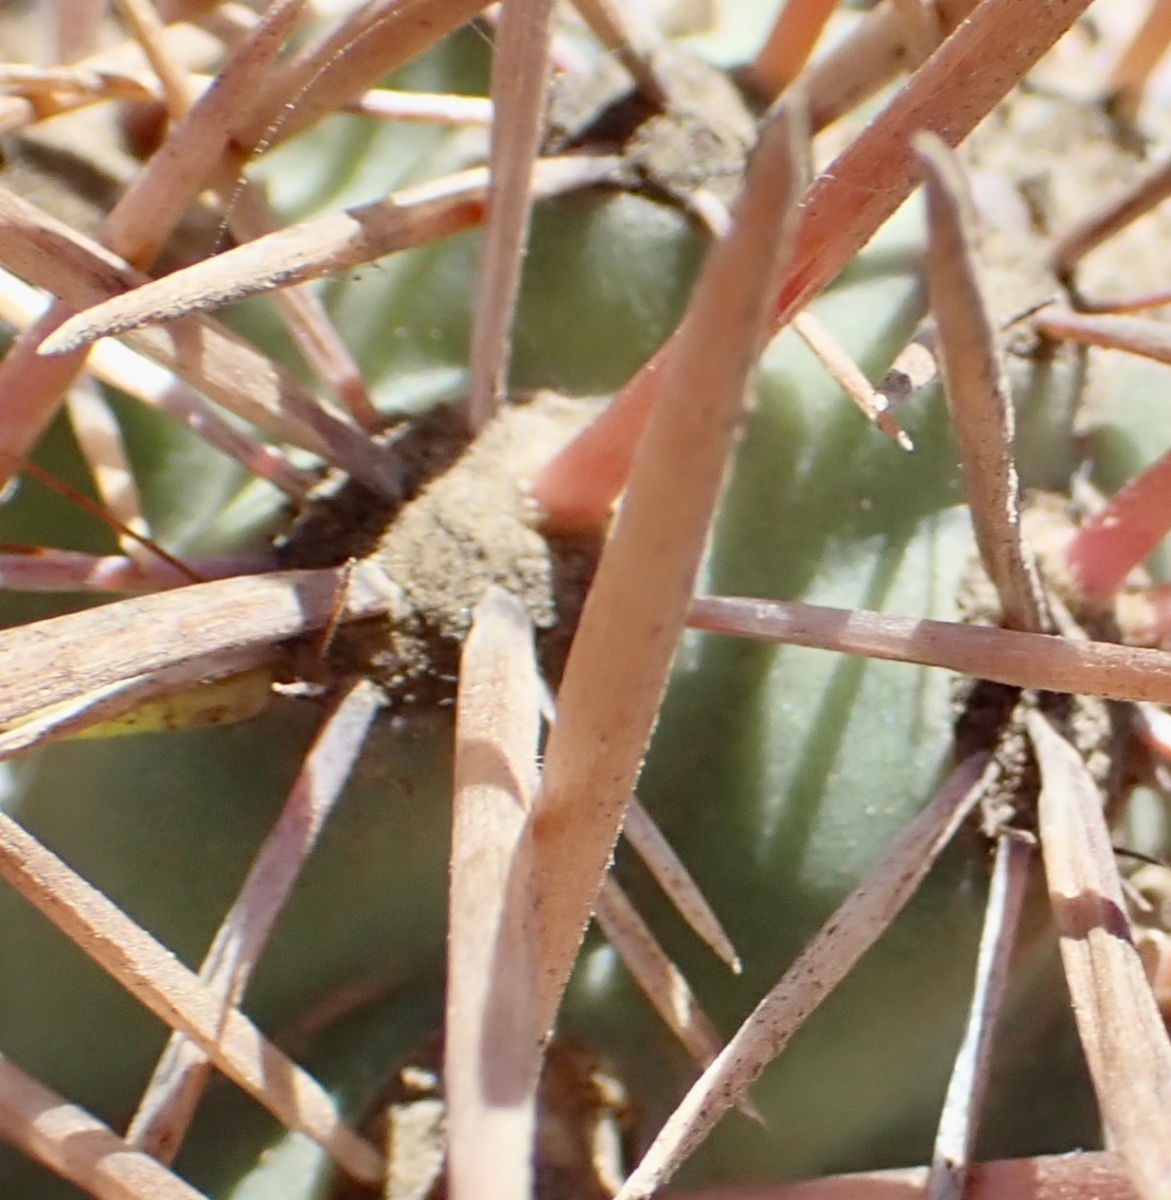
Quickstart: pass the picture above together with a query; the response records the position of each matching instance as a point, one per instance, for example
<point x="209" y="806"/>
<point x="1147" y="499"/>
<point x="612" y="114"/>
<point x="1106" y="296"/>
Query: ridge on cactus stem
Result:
<point x="878" y="167"/>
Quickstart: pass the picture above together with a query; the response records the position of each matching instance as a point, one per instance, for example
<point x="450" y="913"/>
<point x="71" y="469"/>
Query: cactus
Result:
<point x="780" y="774"/>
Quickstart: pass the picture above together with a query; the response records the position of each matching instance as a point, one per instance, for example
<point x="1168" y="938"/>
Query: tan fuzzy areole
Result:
<point x="993" y="717"/>
<point x="698" y="138"/>
<point x="465" y="525"/>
